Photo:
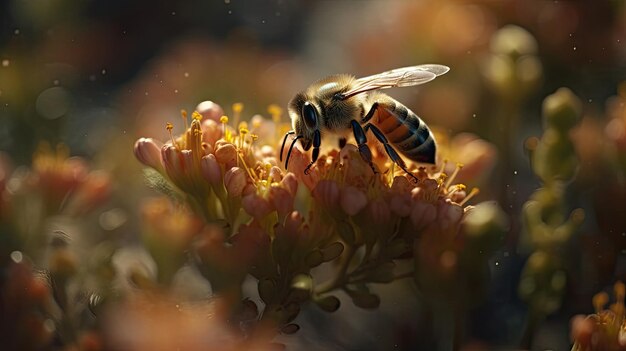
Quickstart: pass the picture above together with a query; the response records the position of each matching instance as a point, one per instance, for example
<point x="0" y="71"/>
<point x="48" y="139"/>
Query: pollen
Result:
<point x="196" y="116"/>
<point x="224" y="119"/>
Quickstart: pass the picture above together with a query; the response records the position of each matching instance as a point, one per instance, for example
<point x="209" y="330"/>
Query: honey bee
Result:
<point x="341" y="104"/>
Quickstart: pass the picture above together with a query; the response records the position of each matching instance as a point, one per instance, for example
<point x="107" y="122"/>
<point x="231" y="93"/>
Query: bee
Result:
<point x="342" y="104"/>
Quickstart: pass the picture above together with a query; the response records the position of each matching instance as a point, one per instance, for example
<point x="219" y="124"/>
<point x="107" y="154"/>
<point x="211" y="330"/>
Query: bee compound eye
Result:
<point x="310" y="115"/>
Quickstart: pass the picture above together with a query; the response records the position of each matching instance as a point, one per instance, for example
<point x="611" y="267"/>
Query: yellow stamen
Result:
<point x="237" y="108"/>
<point x="196" y="115"/>
<point x="276" y="112"/>
<point x="224" y="121"/>
<point x="599" y="301"/>
<point x="473" y="192"/>
<point x="169" y="126"/>
<point x="245" y="166"/>
<point x="458" y="167"/>
<point x="443" y="166"/>
<point x="183" y="114"/>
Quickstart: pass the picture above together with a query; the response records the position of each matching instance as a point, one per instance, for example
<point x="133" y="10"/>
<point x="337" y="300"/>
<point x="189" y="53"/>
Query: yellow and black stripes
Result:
<point x="403" y="129"/>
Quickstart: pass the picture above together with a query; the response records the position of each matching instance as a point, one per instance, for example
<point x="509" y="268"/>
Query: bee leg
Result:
<point x="361" y="140"/>
<point x="370" y="114"/>
<point x="342" y="142"/>
<point x="317" y="141"/>
<point x="393" y="155"/>
<point x="291" y="132"/>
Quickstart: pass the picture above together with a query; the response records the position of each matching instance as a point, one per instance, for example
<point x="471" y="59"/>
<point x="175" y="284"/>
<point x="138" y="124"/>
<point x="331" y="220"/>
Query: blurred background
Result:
<point x="96" y="75"/>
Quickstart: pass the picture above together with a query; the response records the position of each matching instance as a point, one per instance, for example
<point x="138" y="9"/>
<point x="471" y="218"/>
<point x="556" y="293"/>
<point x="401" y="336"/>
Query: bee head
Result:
<point x="305" y="120"/>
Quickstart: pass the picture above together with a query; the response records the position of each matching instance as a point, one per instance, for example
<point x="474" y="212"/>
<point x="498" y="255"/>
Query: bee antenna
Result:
<point x="284" y="141"/>
<point x="291" y="148"/>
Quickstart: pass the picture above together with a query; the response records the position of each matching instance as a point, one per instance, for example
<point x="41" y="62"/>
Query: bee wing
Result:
<point x="399" y="77"/>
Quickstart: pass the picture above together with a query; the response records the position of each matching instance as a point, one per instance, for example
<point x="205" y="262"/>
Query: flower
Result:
<point x="604" y="330"/>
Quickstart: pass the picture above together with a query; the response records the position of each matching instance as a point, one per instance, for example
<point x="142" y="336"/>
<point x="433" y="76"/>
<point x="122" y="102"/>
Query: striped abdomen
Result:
<point x="404" y="130"/>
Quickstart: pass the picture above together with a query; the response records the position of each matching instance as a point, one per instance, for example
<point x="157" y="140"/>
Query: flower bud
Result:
<point x="512" y="40"/>
<point x="562" y="109"/>
<point x="235" y="181"/>
<point x="400" y="204"/>
<point x="281" y="199"/>
<point x="277" y="175"/>
<point x="226" y="154"/>
<point x="211" y="169"/>
<point x="422" y="214"/>
<point x="148" y="152"/>
<point x="210" y="110"/>
<point x="326" y="192"/>
<point x="485" y="225"/>
<point x="352" y="200"/>
<point x="400" y="185"/>
<point x="450" y="213"/>
<point x="290" y="182"/>
<point x="379" y="211"/>
<point x="582" y="330"/>
<point x="256" y="206"/>
<point x="211" y="131"/>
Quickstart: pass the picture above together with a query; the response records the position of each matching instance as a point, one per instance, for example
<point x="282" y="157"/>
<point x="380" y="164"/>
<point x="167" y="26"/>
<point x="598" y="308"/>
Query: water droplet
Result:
<point x="590" y="100"/>
<point x="263" y="21"/>
<point x="16" y="256"/>
<point x="497" y="263"/>
<point x="574" y="48"/>
<point x="16" y="32"/>
<point x="514" y="172"/>
<point x="146" y="93"/>
<point x="6" y="63"/>
<point x="104" y="71"/>
<point x="227" y="1"/>
<point x="571" y="35"/>
<point x="173" y="13"/>
<point x="186" y="74"/>
<point x="55" y="82"/>
<point x="176" y="91"/>
<point x="474" y="115"/>
<point x="230" y="12"/>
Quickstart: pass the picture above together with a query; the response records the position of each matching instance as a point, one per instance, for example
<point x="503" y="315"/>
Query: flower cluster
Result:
<point x="604" y="330"/>
<point x="377" y="226"/>
<point x="40" y="211"/>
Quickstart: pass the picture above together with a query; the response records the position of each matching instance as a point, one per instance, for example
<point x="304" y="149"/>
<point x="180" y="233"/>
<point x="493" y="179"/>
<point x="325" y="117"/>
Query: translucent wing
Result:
<point x="399" y="77"/>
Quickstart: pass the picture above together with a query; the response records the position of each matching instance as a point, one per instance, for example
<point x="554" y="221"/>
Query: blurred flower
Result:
<point x="167" y="233"/>
<point x="477" y="155"/>
<point x="604" y="330"/>
<point x="512" y="69"/>
<point x="161" y="322"/>
<point x="25" y="304"/>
